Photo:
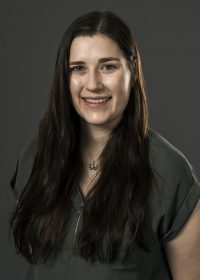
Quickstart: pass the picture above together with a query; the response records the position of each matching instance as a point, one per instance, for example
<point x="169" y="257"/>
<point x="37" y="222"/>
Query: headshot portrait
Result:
<point x="99" y="185"/>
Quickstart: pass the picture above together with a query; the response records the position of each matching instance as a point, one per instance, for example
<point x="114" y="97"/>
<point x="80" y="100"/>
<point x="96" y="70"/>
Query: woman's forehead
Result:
<point x="95" y="46"/>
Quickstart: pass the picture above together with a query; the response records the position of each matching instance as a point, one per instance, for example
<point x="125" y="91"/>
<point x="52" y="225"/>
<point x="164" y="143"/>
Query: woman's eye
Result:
<point x="77" y="68"/>
<point x="108" y="67"/>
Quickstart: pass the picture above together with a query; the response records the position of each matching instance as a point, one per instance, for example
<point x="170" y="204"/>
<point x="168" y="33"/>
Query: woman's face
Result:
<point x="99" y="80"/>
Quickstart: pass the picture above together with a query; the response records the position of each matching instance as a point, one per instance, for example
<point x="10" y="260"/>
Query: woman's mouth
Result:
<point x="96" y="102"/>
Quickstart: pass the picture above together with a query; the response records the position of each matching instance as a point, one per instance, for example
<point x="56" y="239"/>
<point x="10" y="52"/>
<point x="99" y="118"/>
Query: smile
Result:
<point x="96" y="100"/>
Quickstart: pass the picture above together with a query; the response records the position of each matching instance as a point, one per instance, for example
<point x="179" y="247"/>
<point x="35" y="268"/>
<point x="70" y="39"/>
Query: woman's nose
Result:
<point x="94" y="82"/>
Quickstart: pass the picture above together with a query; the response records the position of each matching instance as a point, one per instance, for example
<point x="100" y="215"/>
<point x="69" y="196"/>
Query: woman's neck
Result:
<point x="93" y="140"/>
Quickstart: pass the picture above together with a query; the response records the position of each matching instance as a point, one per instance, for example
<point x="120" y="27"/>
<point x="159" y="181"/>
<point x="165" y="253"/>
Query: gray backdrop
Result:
<point x="167" y="33"/>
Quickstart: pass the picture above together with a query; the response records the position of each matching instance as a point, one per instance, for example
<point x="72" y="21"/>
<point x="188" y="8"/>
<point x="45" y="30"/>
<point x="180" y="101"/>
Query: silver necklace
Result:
<point x="93" y="166"/>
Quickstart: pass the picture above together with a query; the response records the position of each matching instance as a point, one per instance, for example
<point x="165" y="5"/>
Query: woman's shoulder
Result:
<point x="24" y="166"/>
<point x="179" y="188"/>
<point x="167" y="160"/>
<point x="29" y="149"/>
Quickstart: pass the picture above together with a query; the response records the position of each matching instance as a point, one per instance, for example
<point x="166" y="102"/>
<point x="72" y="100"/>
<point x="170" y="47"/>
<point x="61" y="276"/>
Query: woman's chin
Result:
<point x="95" y="122"/>
<point x="102" y="122"/>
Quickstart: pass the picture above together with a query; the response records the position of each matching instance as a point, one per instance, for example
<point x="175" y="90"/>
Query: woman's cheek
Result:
<point x="75" y="85"/>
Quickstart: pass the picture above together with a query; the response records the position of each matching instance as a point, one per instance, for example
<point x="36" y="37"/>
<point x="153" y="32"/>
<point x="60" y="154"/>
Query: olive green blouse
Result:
<point x="167" y="210"/>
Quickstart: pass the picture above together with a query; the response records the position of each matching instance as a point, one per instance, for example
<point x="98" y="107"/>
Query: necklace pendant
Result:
<point x="93" y="166"/>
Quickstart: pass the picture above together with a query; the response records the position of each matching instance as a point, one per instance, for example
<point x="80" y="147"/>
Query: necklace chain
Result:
<point x="92" y="164"/>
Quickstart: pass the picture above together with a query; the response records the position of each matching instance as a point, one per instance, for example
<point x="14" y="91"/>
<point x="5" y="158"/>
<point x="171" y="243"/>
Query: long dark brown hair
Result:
<point x="40" y="218"/>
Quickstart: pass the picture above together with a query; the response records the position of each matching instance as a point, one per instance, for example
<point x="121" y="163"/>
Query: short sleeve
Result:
<point x="23" y="168"/>
<point x="177" y="191"/>
<point x="185" y="210"/>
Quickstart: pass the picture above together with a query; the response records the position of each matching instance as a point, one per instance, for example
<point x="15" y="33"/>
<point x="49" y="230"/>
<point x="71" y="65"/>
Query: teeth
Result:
<point x="96" y="101"/>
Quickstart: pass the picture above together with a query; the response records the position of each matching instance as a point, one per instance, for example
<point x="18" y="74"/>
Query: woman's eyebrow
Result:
<point x="105" y="59"/>
<point x="101" y="60"/>
<point x="76" y="62"/>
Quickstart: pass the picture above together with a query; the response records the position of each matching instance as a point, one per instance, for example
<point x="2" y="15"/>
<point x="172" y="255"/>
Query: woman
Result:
<point x="100" y="195"/>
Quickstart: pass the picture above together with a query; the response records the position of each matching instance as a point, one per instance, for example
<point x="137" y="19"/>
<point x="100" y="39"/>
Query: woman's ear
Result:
<point x="134" y="73"/>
